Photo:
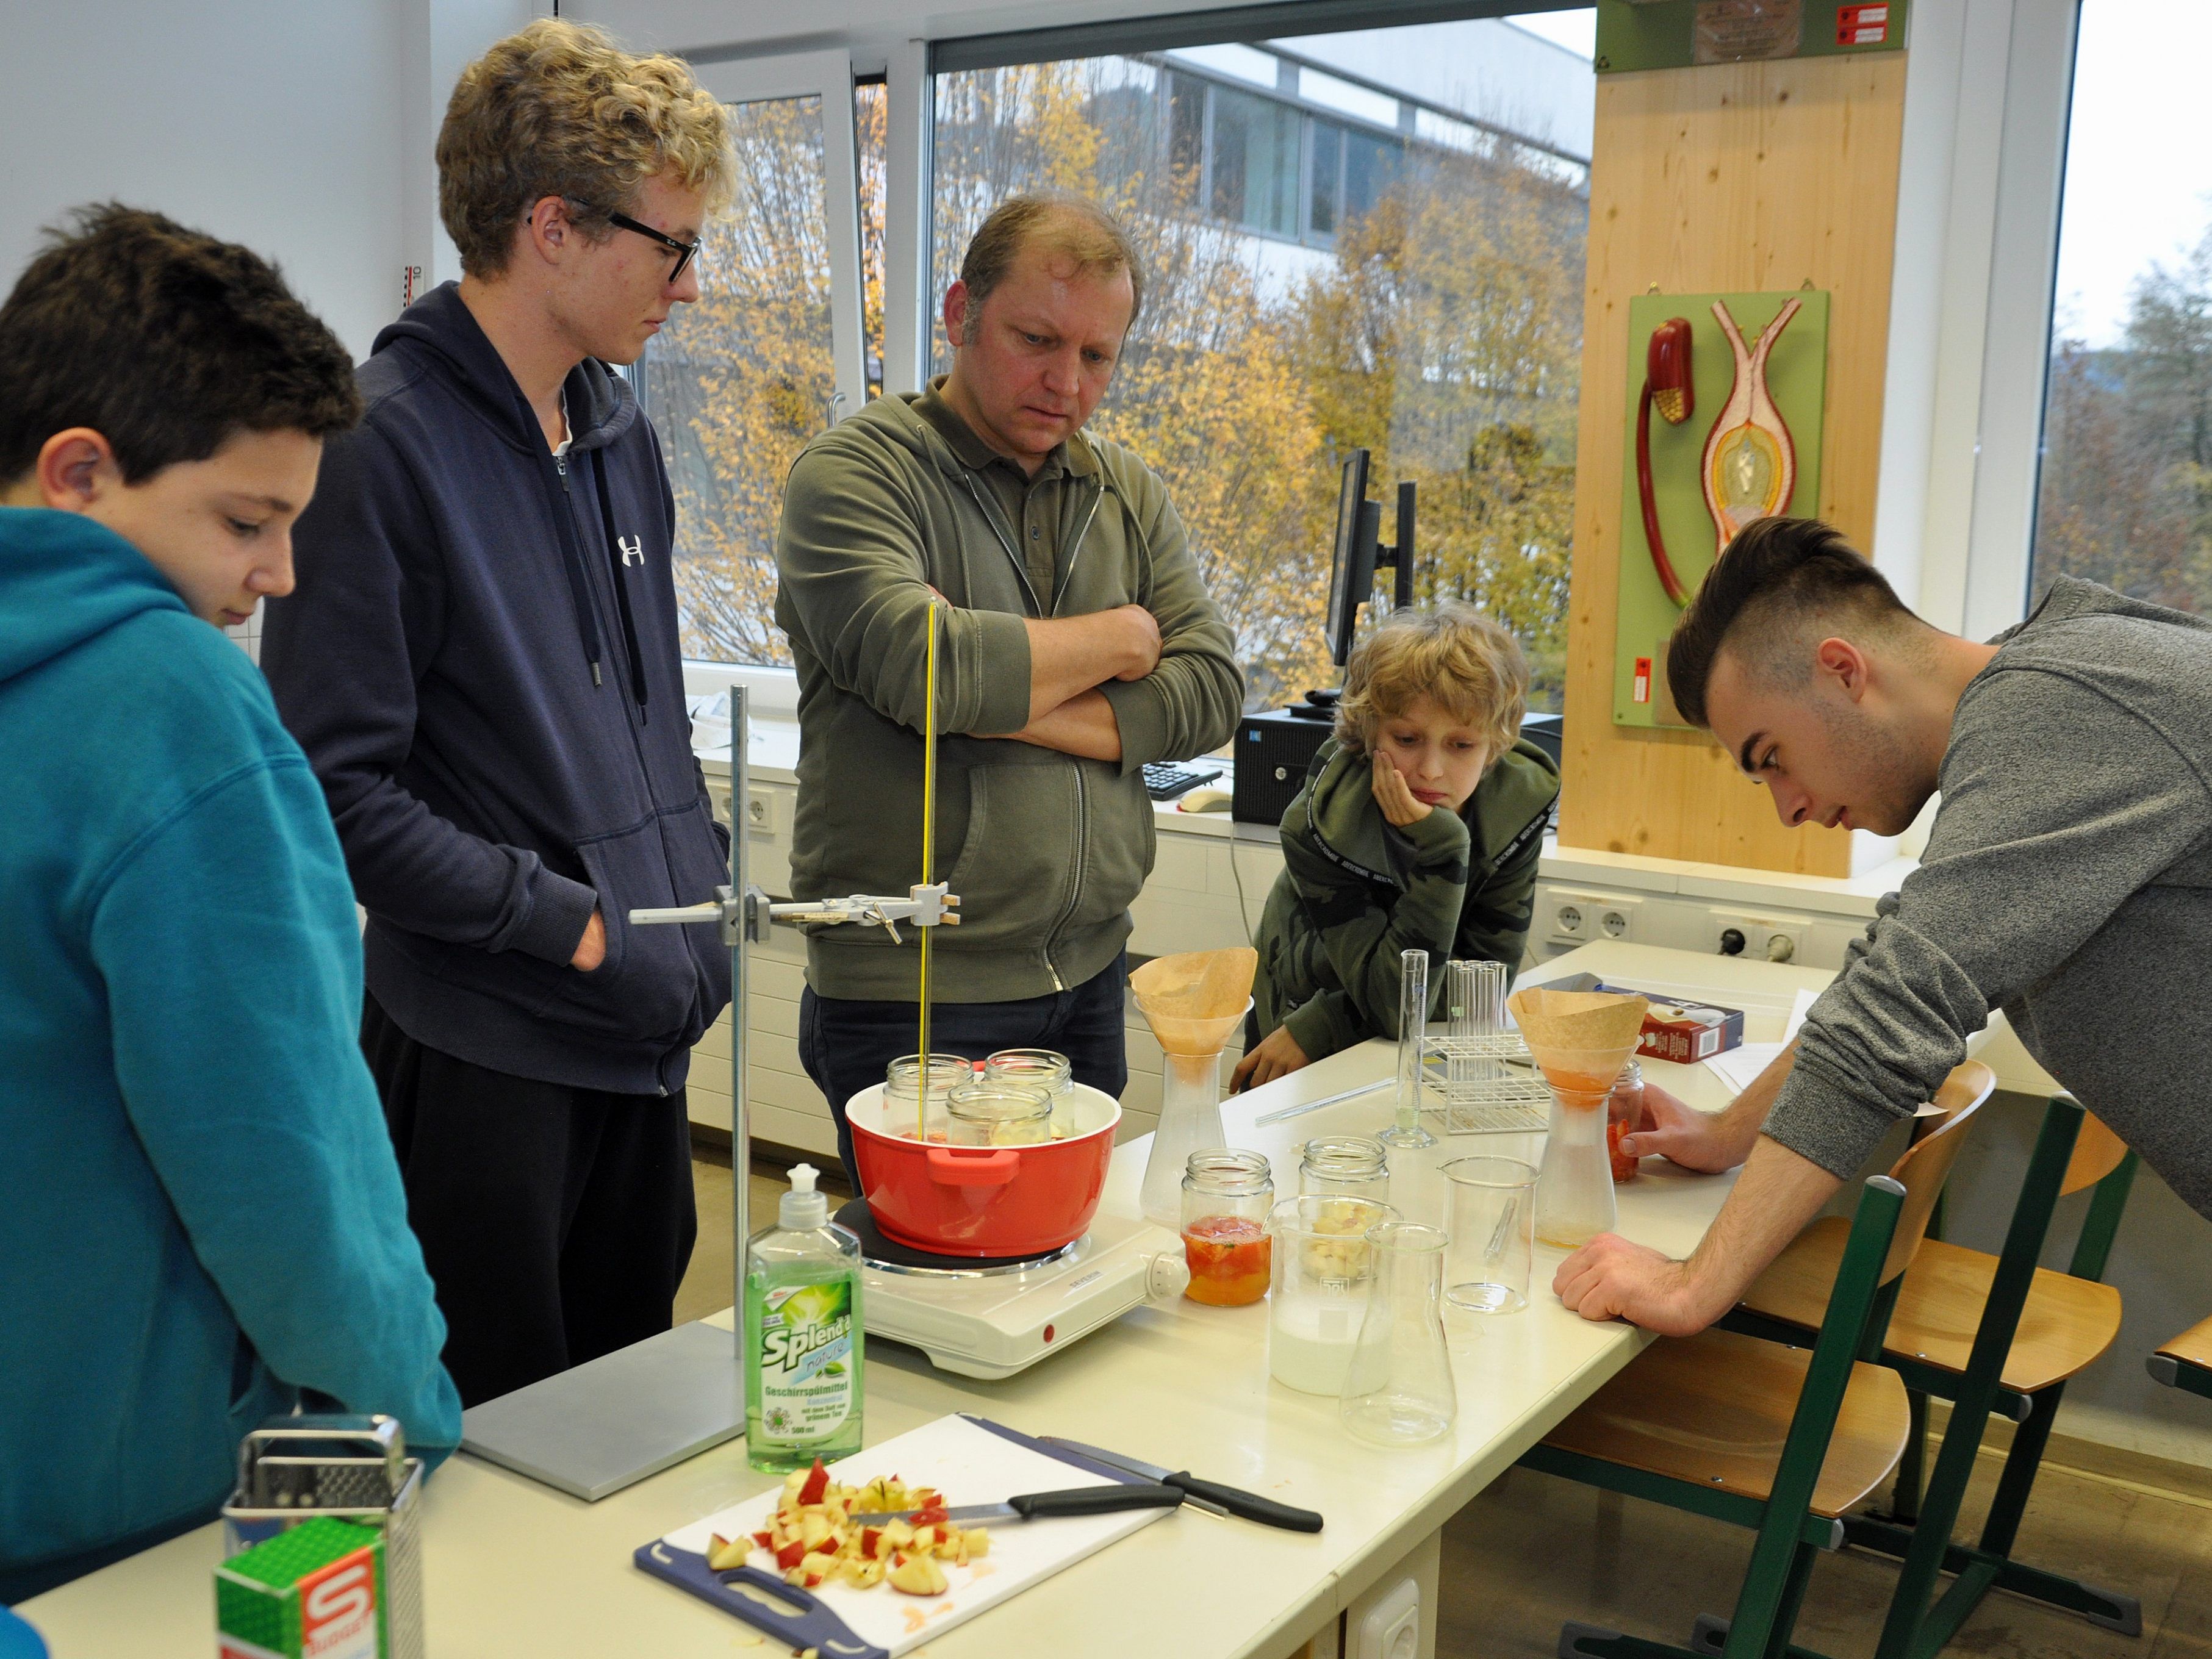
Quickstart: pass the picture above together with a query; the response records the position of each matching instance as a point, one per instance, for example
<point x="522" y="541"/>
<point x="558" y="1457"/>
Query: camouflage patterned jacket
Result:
<point x="1355" y="893"/>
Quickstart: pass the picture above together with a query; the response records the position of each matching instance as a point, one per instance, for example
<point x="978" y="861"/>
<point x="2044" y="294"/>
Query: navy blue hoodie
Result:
<point x="480" y="661"/>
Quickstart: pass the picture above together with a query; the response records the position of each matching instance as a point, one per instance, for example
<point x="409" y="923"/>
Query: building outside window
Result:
<point x="1372" y="239"/>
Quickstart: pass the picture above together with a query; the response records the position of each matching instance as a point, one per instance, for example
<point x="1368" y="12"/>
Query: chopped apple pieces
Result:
<point x="815" y="1541"/>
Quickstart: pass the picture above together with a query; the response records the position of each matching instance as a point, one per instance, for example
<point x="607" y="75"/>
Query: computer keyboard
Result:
<point x="1165" y="779"/>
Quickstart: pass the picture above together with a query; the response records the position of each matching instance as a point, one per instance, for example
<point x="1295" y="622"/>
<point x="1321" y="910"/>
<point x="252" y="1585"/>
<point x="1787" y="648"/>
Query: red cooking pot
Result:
<point x="983" y="1200"/>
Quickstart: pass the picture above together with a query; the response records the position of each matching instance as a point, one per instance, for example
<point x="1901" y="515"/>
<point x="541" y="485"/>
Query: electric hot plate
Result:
<point x="992" y="1317"/>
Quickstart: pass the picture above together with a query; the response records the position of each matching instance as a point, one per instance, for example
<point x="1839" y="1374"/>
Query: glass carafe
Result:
<point x="1398" y="1391"/>
<point x="1574" y="1187"/>
<point x="1321" y="1264"/>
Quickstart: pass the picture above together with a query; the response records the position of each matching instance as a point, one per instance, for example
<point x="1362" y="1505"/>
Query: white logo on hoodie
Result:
<point x="633" y="548"/>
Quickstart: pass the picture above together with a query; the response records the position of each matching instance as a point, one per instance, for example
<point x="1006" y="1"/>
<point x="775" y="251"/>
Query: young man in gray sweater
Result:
<point x="2067" y="880"/>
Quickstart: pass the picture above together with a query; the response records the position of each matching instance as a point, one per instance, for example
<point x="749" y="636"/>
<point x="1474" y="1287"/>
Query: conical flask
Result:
<point x="1398" y="1391"/>
<point x="1193" y="1001"/>
<point x="1579" y="1039"/>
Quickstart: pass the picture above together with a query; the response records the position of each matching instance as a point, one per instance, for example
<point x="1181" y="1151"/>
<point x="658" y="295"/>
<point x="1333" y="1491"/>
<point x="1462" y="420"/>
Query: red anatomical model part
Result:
<point x="1667" y="383"/>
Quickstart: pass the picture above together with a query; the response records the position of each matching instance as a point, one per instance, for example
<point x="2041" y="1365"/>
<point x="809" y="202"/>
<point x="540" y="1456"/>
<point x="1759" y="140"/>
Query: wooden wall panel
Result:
<point x="1726" y="178"/>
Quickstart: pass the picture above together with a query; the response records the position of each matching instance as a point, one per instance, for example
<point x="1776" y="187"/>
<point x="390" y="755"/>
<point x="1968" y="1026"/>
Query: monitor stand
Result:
<point x="1319" y="705"/>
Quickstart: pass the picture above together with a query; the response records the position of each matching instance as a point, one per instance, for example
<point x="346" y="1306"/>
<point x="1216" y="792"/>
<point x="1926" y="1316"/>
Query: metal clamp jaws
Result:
<point x="928" y="906"/>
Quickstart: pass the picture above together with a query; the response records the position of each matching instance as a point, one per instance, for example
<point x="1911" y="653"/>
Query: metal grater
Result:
<point x="350" y="1467"/>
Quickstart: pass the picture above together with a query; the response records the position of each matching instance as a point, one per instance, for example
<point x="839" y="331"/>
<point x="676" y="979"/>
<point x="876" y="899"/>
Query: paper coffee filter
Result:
<point x="1578" y="1034"/>
<point x="1193" y="999"/>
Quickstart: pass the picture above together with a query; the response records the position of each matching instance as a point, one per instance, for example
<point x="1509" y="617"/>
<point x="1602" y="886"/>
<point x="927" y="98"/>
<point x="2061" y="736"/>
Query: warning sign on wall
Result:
<point x="1862" y="25"/>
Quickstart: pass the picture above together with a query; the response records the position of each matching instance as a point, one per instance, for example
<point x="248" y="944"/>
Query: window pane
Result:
<point x="2126" y="494"/>
<point x="1327" y="178"/>
<point x="870" y="125"/>
<point x="1443" y="335"/>
<point x="738" y="382"/>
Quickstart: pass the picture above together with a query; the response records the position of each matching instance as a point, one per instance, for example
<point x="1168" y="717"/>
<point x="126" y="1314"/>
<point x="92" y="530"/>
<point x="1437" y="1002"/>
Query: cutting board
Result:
<point x="968" y="1465"/>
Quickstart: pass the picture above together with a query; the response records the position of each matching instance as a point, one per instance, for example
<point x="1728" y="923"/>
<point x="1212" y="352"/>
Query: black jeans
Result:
<point x="557" y="1221"/>
<point x="846" y="1045"/>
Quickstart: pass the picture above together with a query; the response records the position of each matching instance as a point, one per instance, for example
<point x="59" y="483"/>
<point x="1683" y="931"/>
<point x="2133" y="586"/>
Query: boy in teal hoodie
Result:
<point x="1419" y="828"/>
<point x="201" y="1219"/>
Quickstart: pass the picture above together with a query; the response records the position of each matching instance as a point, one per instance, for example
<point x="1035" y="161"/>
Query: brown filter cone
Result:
<point x="1193" y="999"/>
<point x="1580" y="1038"/>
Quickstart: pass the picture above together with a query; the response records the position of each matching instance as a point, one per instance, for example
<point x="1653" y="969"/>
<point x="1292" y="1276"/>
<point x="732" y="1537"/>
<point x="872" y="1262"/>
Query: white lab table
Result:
<point x="512" y="1567"/>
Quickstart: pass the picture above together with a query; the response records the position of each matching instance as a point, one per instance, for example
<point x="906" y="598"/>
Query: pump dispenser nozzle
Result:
<point x="802" y="1209"/>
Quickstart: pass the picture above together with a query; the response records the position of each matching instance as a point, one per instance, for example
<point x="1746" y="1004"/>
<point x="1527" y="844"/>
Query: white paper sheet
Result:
<point x="1739" y="1065"/>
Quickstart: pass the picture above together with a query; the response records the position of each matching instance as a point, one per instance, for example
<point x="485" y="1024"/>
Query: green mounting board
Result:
<point x="1797" y="376"/>
<point x="1653" y="34"/>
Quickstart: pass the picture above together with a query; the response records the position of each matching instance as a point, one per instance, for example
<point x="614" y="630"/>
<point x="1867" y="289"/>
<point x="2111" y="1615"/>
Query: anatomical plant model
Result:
<point x="1750" y="463"/>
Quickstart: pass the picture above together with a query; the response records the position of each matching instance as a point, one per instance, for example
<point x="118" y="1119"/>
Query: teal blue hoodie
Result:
<point x="200" y="1213"/>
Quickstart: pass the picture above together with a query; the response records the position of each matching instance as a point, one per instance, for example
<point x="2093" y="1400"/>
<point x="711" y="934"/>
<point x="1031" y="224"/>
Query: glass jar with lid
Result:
<point x="1624" y="1116"/>
<point x="1345" y="1166"/>
<point x="904" y="1110"/>
<point x="993" y="1112"/>
<point x="1040" y="1068"/>
<point x="1226" y="1196"/>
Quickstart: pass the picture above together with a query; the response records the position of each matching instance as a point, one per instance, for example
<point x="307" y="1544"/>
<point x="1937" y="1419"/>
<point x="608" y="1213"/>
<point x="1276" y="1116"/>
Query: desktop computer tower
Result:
<point x="1273" y="748"/>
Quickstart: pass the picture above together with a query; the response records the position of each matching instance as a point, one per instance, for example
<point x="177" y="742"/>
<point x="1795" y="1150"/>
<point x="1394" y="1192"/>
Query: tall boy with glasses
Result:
<point x="482" y="662"/>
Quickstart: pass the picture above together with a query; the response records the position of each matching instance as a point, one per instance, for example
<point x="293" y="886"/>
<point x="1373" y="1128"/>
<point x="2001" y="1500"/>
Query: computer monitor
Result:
<point x="1359" y="552"/>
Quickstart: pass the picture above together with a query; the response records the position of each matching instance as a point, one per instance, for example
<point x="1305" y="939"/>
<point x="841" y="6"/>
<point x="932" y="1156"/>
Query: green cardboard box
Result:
<point x="316" y="1591"/>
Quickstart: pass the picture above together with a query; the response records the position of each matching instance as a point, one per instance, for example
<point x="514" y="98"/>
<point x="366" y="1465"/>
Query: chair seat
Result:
<point x="2066" y="1322"/>
<point x="2193" y="1346"/>
<point x="1714" y="1410"/>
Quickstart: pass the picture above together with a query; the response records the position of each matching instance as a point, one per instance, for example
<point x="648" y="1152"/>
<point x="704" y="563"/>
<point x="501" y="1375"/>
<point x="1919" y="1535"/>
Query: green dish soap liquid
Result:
<point x="802" y="1359"/>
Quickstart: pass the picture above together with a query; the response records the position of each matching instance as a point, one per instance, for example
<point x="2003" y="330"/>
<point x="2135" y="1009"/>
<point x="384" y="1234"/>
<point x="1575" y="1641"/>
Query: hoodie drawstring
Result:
<point x="621" y="586"/>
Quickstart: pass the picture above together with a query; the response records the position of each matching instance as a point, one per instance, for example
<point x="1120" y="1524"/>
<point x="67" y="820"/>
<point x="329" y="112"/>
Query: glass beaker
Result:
<point x="1574" y="1189"/>
<point x="1399" y="1390"/>
<point x="1406" y="1128"/>
<point x="1040" y="1068"/>
<point x="1226" y="1196"/>
<point x="991" y="1112"/>
<point x="903" y="1111"/>
<point x="1349" y="1166"/>
<point x="1320" y="1268"/>
<point x="1624" y="1116"/>
<point x="1490" y="1214"/>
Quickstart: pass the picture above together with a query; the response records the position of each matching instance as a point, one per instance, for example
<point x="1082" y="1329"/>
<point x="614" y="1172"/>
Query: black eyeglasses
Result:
<point x="684" y="251"/>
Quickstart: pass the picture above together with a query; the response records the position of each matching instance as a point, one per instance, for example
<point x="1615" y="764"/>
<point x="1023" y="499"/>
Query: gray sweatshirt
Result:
<point x="2068" y="880"/>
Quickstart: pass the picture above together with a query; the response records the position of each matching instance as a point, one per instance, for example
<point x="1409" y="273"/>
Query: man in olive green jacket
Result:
<point x="1076" y="642"/>
<point x="1356" y="894"/>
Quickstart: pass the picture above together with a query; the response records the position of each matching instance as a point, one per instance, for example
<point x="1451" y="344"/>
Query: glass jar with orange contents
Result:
<point x="1226" y="1196"/>
<point x="1624" y="1116"/>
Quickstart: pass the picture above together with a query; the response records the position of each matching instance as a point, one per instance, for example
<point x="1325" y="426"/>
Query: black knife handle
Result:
<point x="1248" y="1504"/>
<point x="1094" y="1500"/>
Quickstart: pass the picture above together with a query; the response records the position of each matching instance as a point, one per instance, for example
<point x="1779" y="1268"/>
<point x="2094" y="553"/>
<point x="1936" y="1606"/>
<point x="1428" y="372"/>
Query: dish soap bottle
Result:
<point x="802" y="1335"/>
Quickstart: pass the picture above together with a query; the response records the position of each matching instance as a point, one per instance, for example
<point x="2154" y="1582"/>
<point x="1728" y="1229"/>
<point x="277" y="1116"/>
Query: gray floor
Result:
<point x="1532" y="1551"/>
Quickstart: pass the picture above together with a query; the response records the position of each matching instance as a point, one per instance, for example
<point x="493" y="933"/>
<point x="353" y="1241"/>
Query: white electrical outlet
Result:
<point x="1578" y="918"/>
<point x="1756" y="939"/>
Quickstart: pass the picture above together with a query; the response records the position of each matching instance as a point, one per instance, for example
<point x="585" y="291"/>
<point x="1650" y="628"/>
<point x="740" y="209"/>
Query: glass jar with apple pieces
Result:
<point x="1226" y="1196"/>
<point x="991" y="1112"/>
<point x="904" y="1110"/>
<point x="1349" y="1166"/>
<point x="1624" y="1116"/>
<point x="1040" y="1068"/>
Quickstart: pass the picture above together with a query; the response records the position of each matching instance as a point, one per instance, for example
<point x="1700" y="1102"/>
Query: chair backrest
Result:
<point x="2097" y="1154"/>
<point x="1927" y="1162"/>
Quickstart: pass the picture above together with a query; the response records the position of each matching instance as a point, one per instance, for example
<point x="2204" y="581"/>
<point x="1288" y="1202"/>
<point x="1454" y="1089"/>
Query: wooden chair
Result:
<point x="2186" y="1362"/>
<point x="1781" y="1440"/>
<point x="1987" y="1333"/>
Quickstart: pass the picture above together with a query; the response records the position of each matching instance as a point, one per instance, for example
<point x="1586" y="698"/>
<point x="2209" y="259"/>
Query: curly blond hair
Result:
<point x="558" y="109"/>
<point x="1450" y="654"/>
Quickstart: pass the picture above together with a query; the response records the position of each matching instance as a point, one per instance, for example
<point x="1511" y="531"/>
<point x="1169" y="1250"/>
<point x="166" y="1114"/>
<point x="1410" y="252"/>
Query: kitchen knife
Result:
<point x="1208" y="1493"/>
<point x="1044" y="1505"/>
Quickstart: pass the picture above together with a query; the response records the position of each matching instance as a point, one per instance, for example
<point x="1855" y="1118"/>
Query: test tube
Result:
<point x="1412" y="1041"/>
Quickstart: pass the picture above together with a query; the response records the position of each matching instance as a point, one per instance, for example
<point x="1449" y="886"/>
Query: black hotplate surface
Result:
<point x="875" y="1245"/>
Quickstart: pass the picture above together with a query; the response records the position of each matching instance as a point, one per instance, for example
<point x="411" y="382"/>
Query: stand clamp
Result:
<point x="747" y="918"/>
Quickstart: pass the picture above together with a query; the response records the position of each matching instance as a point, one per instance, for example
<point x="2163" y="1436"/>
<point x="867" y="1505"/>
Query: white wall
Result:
<point x="303" y="129"/>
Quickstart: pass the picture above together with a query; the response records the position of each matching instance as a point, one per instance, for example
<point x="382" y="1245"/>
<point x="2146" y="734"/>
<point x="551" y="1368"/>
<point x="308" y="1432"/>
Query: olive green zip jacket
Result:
<point x="1355" y="893"/>
<point x="1046" y="851"/>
